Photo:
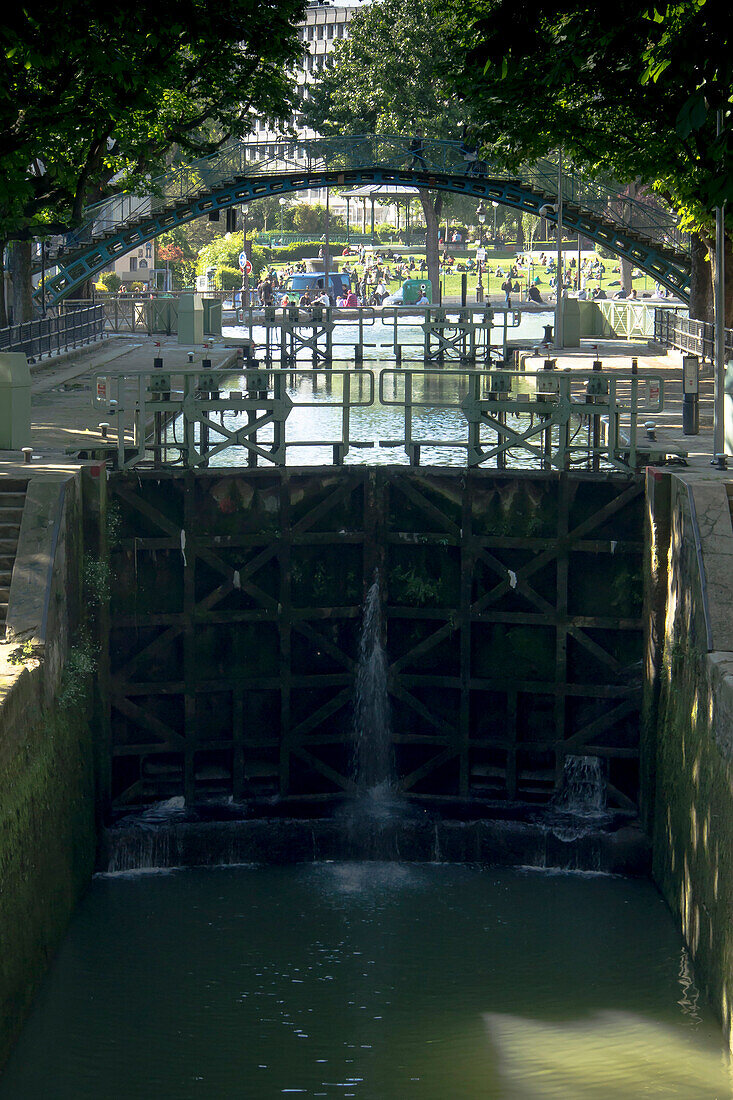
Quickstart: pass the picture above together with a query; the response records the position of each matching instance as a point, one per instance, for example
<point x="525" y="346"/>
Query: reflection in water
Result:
<point x="378" y="428"/>
<point x="612" y="1054"/>
<point x="368" y="980"/>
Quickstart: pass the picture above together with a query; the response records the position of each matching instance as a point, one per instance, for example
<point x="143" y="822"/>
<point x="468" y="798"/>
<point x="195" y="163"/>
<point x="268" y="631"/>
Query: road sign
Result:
<point x="244" y="263"/>
<point x="481" y="254"/>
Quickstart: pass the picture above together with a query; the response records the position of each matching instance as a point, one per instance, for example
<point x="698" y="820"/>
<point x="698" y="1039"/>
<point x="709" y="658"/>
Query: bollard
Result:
<point x="104" y="428"/>
<point x="27" y="455"/>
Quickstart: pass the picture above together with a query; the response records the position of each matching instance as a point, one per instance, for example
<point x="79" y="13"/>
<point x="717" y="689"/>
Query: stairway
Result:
<point x="12" y="500"/>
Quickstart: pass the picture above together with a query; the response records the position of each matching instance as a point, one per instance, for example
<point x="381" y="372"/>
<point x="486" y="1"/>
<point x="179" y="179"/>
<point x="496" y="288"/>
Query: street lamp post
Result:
<point x="495" y="205"/>
<point x="481" y="215"/>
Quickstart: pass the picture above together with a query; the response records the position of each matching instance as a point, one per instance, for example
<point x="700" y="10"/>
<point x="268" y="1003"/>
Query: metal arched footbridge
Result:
<point x="645" y="232"/>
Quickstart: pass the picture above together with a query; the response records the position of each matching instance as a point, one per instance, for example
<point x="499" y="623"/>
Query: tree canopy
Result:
<point x="93" y="97"/>
<point x="629" y="90"/>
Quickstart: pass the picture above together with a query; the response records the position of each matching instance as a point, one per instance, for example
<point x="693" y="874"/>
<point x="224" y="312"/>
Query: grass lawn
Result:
<point x="451" y="279"/>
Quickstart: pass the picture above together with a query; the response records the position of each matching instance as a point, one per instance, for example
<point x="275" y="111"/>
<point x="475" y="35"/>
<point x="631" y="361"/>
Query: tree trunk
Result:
<point x="20" y="274"/>
<point x="701" y="281"/>
<point x="431" y="209"/>
<point x="626" y="281"/>
<point x="520" y="234"/>
<point x="728" y="287"/>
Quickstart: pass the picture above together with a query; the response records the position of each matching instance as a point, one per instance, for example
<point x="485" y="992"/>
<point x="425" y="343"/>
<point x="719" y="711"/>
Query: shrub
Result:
<point x="111" y="281"/>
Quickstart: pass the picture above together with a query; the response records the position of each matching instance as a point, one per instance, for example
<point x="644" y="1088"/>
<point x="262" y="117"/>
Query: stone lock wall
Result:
<point x="47" y="709"/>
<point x="687" y="736"/>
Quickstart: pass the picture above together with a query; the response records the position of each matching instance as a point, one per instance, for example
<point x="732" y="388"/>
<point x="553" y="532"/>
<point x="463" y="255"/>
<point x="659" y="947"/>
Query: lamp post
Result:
<point x="481" y="215"/>
<point x="495" y="205"/>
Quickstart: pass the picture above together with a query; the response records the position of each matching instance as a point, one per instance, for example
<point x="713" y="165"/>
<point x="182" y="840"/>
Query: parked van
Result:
<point x="313" y="282"/>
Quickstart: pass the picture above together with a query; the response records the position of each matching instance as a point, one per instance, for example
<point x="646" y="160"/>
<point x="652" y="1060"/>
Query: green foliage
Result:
<point x="311" y="218"/>
<point x="95" y="98"/>
<point x="76" y="680"/>
<point x="415" y="589"/>
<point x="28" y="651"/>
<point x="228" y="278"/>
<point x="96" y="580"/>
<point x="295" y="251"/>
<point x="632" y="96"/>
<point x="112" y="281"/>
<point x="223" y="254"/>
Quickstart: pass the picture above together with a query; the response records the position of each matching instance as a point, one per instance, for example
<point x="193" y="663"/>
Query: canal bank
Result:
<point x="687" y="728"/>
<point x="49" y="718"/>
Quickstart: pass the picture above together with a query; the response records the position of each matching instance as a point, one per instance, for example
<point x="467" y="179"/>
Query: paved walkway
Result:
<point x="62" y="414"/>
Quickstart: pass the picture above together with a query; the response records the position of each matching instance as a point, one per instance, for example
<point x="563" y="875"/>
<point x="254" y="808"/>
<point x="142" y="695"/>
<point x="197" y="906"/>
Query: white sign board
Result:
<point x="481" y="254"/>
<point x="202" y="284"/>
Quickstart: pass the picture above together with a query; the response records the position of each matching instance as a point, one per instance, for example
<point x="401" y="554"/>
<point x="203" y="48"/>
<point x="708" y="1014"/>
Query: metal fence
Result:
<point x="47" y="335"/>
<point x="545" y="419"/>
<point x="685" y="334"/>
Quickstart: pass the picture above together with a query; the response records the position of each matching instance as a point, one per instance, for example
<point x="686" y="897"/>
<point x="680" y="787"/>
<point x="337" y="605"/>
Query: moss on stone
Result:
<point x="47" y="839"/>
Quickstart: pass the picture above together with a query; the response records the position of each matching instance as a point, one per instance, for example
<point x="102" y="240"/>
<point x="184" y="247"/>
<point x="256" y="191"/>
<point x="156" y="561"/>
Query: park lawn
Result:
<point x="451" y="279"/>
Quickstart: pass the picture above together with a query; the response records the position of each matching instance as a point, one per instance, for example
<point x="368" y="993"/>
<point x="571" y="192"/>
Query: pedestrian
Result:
<point x="506" y="286"/>
<point x="417" y="148"/>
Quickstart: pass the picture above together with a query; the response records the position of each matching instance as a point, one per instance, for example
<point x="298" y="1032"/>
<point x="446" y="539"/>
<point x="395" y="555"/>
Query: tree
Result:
<point x="384" y="79"/>
<point x="629" y="91"/>
<point x="94" y="98"/>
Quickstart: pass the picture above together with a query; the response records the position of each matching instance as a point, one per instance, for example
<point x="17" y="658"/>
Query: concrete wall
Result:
<point x="47" y="780"/>
<point x="687" y="735"/>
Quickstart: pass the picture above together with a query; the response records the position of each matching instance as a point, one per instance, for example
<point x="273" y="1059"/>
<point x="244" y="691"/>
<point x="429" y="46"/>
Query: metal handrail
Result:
<point x="48" y="335"/>
<point x="542" y="413"/>
<point x="650" y="217"/>
<point x="675" y="330"/>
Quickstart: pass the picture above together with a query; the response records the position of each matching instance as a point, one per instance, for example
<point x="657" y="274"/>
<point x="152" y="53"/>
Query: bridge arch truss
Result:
<point x="651" y="247"/>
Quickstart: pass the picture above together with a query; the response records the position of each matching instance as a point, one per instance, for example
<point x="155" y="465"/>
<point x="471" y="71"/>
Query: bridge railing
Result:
<point x="544" y="419"/>
<point x="393" y="152"/>
<point x="51" y="335"/>
<point x="676" y="330"/>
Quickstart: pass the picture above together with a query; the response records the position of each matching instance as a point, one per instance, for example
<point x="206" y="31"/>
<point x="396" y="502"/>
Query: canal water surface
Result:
<point x="375" y="981"/>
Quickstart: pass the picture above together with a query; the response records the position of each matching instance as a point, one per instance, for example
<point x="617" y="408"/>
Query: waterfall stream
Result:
<point x="373" y="762"/>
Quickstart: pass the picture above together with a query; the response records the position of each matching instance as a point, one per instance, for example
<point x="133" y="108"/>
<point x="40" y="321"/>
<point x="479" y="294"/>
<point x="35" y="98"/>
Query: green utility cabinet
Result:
<point x="15" y="401"/>
<point x="412" y="290"/>
<point x="190" y="319"/>
<point x="571" y="323"/>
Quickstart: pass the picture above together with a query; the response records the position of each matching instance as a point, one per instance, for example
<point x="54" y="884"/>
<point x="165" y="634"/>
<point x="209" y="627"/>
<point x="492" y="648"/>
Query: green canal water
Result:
<point x="375" y="981"/>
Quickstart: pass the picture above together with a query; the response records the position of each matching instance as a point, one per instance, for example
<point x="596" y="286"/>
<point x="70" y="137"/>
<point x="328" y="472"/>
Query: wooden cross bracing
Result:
<point x="464" y="724"/>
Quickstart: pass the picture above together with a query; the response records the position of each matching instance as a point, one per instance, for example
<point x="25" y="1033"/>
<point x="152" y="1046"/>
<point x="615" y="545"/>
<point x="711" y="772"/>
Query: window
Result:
<point x="143" y="263"/>
<point x="149" y="249"/>
<point x="133" y="263"/>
